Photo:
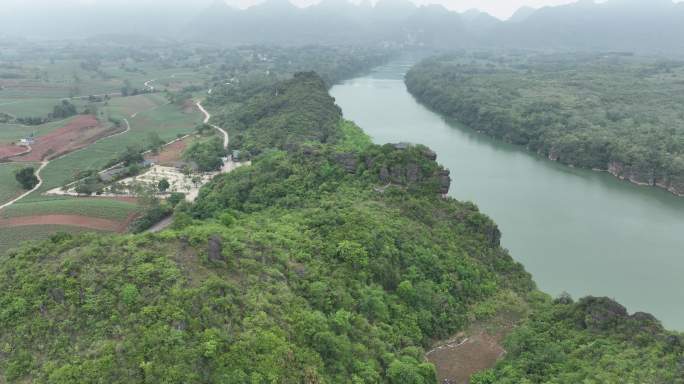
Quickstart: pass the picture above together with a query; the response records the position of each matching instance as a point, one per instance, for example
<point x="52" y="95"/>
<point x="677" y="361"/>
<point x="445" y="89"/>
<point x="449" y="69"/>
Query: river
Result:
<point x="576" y="231"/>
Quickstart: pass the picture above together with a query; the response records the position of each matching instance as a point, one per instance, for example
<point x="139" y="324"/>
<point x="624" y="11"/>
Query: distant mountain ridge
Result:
<point x="631" y="25"/>
<point x="639" y="25"/>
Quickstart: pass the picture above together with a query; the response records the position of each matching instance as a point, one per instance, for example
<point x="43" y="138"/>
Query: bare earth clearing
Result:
<point x="170" y="154"/>
<point x="459" y="358"/>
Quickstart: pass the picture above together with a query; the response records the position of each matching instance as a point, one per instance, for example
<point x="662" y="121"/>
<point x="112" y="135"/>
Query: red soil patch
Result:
<point x="79" y="133"/>
<point x="67" y="220"/>
<point x="11" y="150"/>
<point x="170" y="154"/>
<point x="461" y="357"/>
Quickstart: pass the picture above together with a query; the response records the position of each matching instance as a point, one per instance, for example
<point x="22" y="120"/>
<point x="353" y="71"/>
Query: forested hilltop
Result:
<point x="328" y="260"/>
<point x="613" y="112"/>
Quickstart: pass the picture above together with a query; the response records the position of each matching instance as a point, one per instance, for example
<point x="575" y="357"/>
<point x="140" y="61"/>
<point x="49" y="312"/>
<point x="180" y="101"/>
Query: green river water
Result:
<point x="576" y="231"/>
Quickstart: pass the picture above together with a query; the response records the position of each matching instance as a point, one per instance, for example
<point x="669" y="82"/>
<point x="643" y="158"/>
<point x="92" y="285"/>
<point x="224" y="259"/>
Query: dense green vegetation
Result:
<point x="611" y="112"/>
<point x="591" y="341"/>
<point x="26" y="177"/>
<point x="207" y="155"/>
<point x="329" y="260"/>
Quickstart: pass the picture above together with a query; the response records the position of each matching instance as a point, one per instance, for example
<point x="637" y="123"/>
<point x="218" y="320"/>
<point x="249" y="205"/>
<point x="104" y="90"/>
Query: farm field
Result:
<point x="23" y="106"/>
<point x="166" y="120"/>
<point x="151" y="88"/>
<point x="110" y="209"/>
<point x="77" y="133"/>
<point x="9" y="188"/>
<point x="10" y="133"/>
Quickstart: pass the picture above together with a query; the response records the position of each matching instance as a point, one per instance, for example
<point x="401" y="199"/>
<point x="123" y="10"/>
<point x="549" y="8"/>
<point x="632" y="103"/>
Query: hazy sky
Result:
<point x="499" y="8"/>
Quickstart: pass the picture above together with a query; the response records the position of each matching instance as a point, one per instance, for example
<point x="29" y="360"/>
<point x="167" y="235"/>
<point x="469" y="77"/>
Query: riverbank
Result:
<point x="575" y="230"/>
<point x="592" y="114"/>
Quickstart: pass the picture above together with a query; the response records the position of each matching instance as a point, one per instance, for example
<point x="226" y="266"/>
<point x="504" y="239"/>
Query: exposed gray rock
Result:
<point x="384" y="175"/>
<point x="444" y="181"/>
<point x="412" y="173"/>
<point x="397" y="174"/>
<point x="602" y="313"/>
<point x="348" y="161"/>
<point x="216" y="248"/>
<point x="430" y="154"/>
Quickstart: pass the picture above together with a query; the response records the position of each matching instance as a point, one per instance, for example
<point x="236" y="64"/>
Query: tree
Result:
<point x="163" y="185"/>
<point x="63" y="110"/>
<point x="207" y="155"/>
<point x="155" y="141"/>
<point x="132" y="155"/>
<point x="27" y="178"/>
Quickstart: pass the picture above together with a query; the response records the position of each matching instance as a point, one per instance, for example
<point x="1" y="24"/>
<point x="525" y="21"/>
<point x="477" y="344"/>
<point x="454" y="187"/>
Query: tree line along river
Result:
<point x="576" y="231"/>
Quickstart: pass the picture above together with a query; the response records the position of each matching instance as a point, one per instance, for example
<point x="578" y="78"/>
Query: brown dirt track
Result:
<point x="67" y="220"/>
<point x="80" y="132"/>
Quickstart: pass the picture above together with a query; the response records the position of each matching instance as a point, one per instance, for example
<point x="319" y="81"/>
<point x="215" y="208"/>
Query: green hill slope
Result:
<point x="329" y="260"/>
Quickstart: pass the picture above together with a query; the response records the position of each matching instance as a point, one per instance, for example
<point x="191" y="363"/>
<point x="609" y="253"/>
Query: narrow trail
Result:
<point x="226" y="139"/>
<point x="40" y="182"/>
<point x="162" y="225"/>
<point x="128" y="128"/>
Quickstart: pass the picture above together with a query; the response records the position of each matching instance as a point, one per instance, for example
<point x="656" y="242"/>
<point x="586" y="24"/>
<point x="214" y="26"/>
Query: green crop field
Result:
<point x="32" y="107"/>
<point x="13" y="237"/>
<point x="31" y="85"/>
<point x="101" y="208"/>
<point x="166" y="120"/>
<point x="9" y="188"/>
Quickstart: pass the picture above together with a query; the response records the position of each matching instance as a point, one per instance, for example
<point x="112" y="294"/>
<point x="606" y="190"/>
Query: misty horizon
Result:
<point x="500" y="9"/>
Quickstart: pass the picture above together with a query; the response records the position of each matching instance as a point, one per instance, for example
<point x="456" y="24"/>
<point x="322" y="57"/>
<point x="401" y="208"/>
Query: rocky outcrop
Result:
<point x="604" y="314"/>
<point x="601" y="313"/>
<point x="215" y="252"/>
<point x="406" y="165"/>
<point x="348" y="161"/>
<point x="444" y="181"/>
<point x="637" y="176"/>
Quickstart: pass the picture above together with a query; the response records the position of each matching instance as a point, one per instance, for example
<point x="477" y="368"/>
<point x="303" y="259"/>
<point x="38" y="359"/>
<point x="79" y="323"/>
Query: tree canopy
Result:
<point x="609" y="112"/>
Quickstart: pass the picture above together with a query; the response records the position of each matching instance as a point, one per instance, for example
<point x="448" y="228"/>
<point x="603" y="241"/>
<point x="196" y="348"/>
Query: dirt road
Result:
<point x="207" y="117"/>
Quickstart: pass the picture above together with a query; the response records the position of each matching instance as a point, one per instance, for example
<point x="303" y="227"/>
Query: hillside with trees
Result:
<point x="613" y="112"/>
<point x="328" y="260"/>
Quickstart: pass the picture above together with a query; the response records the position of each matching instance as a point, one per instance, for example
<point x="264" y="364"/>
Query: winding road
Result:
<point x="207" y="117"/>
<point x="46" y="162"/>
